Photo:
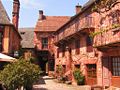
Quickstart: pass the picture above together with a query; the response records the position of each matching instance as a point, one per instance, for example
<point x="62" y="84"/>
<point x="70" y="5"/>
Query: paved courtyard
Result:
<point x="47" y="83"/>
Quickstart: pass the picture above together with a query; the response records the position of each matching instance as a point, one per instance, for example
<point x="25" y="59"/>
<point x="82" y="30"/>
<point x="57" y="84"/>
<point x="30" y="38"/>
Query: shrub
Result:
<point x="19" y="73"/>
<point x="59" y="70"/>
<point x="80" y="79"/>
<point x="33" y="60"/>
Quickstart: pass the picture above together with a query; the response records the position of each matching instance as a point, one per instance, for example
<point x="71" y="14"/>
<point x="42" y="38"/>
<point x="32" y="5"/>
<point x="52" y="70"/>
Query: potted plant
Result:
<point x="80" y="79"/>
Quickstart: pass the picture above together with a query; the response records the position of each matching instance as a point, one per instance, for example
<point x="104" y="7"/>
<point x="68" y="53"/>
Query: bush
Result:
<point x="80" y="79"/>
<point x="33" y="60"/>
<point x="19" y="73"/>
<point x="59" y="70"/>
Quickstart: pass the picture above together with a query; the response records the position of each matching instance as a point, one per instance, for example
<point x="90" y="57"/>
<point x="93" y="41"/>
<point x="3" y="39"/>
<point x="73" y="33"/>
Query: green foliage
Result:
<point x="93" y="34"/>
<point x="115" y="26"/>
<point x="33" y="59"/>
<point x="19" y="73"/>
<point x="79" y="77"/>
<point x="59" y="70"/>
<point x="21" y="52"/>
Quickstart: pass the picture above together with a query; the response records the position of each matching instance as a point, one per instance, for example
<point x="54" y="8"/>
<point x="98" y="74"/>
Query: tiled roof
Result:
<point x="4" y="19"/>
<point x="51" y="23"/>
<point x="27" y="35"/>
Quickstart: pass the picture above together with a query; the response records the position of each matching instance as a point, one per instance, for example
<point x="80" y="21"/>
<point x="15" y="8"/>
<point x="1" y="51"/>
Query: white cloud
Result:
<point x="30" y="4"/>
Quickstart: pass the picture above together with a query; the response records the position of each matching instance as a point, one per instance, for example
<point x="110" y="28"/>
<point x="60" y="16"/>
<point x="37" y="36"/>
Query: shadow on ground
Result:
<point x="41" y="81"/>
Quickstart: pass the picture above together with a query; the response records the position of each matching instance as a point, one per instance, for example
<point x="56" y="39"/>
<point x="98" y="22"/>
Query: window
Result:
<point x="77" y="46"/>
<point x="77" y="66"/>
<point x="44" y="43"/>
<point x="89" y="43"/>
<point x="116" y="66"/>
<point x="91" y="70"/>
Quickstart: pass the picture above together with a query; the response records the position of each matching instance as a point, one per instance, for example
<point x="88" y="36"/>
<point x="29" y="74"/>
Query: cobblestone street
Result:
<point x="47" y="83"/>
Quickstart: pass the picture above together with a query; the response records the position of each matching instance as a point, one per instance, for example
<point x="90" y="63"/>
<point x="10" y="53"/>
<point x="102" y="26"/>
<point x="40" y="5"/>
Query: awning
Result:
<point x="6" y="58"/>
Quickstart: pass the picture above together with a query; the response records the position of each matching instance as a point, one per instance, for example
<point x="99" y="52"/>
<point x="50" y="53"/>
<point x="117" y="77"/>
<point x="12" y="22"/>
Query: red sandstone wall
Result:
<point x="38" y="37"/>
<point x="84" y="57"/>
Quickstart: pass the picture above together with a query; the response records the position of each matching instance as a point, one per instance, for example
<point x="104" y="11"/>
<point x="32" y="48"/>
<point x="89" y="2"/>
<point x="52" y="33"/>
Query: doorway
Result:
<point x="43" y="63"/>
<point x="91" y="78"/>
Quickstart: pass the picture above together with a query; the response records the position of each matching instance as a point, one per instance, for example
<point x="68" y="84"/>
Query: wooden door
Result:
<point x="91" y="78"/>
<point x="106" y="70"/>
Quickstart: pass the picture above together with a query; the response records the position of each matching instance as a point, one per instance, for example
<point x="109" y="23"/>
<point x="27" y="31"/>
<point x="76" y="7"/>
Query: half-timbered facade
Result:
<point x="9" y="36"/>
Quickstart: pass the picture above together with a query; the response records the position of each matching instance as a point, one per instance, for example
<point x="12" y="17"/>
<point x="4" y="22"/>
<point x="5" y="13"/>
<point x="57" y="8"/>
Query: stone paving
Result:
<point x="47" y="83"/>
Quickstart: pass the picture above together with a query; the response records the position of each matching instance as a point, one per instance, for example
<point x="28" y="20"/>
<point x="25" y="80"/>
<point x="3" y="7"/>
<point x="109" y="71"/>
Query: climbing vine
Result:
<point x="115" y="26"/>
<point x="102" y="6"/>
<point x="102" y="30"/>
<point x="93" y="34"/>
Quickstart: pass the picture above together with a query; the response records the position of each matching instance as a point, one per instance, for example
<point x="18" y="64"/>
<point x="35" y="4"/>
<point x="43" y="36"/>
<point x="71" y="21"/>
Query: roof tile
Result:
<point x="51" y="23"/>
<point x="4" y="19"/>
<point x="27" y="35"/>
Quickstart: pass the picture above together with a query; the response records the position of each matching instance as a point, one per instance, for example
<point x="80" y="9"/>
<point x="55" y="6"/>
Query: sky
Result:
<point x="29" y="9"/>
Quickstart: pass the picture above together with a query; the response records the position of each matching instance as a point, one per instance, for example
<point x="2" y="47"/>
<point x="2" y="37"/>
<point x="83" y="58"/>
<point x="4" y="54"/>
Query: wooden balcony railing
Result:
<point x="108" y="37"/>
<point x="78" y="25"/>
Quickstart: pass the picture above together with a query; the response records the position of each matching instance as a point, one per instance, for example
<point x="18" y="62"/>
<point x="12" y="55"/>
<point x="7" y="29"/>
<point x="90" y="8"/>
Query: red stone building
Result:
<point x="108" y="45"/>
<point x="9" y="36"/>
<point x="98" y="58"/>
<point x="43" y="39"/>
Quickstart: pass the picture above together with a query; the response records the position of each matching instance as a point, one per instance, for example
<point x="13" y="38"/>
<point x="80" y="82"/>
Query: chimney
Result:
<point x="15" y="13"/>
<point x="78" y="8"/>
<point x="41" y="16"/>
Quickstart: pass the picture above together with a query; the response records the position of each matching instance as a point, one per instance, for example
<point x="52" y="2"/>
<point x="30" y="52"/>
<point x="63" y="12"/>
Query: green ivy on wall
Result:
<point x="93" y="34"/>
<point x="102" y="30"/>
<point x="115" y="26"/>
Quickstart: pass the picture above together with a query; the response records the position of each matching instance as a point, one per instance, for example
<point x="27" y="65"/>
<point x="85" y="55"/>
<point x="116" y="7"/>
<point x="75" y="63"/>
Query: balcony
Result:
<point x="107" y="39"/>
<point x="75" y="28"/>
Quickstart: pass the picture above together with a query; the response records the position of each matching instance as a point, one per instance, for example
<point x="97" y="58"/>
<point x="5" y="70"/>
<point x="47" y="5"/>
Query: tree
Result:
<point x="18" y="74"/>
